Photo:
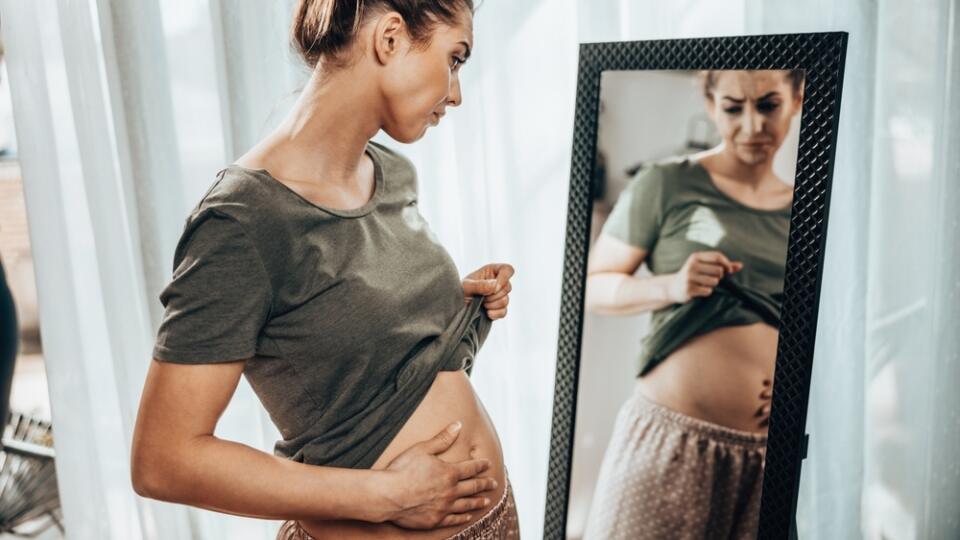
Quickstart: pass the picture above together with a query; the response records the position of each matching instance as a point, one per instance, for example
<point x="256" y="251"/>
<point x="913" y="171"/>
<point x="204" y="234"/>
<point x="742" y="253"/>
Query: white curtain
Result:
<point x="125" y="110"/>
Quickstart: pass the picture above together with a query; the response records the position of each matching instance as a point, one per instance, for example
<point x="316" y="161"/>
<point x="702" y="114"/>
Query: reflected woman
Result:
<point x="308" y="269"/>
<point x="685" y="459"/>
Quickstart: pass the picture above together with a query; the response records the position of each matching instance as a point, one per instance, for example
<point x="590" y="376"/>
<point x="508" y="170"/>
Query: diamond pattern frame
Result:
<point x="822" y="56"/>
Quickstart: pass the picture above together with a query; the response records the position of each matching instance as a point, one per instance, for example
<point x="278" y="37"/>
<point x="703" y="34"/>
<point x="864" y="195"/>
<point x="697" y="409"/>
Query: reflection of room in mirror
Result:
<point x="685" y="278"/>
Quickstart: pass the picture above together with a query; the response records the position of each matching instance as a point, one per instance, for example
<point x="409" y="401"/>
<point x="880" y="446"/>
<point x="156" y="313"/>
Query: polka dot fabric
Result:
<point x="666" y="475"/>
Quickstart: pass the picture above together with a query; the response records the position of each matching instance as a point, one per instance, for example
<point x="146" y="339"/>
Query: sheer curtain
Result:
<point x="125" y="110"/>
<point x="884" y="416"/>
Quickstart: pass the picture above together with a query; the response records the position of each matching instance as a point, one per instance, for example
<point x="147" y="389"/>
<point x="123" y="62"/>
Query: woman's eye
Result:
<point x="733" y="110"/>
<point x="767" y="107"/>
<point x="457" y="62"/>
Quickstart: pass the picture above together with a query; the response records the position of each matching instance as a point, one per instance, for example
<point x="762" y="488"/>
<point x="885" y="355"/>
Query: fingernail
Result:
<point x="455" y="427"/>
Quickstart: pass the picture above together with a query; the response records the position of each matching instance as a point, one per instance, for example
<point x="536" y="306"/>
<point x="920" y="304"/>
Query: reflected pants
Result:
<point x="666" y="475"/>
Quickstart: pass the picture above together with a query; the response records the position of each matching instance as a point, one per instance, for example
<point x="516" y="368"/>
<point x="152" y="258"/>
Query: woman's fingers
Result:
<point x="497" y="303"/>
<point x="479" y="286"/>
<point x="497" y="313"/>
<point x="705" y="281"/>
<point x="718" y="257"/>
<point x="454" y="519"/>
<point x="504" y="273"/>
<point x="472" y="486"/>
<point x="501" y="293"/>
<point x="469" y="503"/>
<point x="708" y="269"/>
<point x="471" y="467"/>
<point x="441" y="441"/>
<point x="701" y="291"/>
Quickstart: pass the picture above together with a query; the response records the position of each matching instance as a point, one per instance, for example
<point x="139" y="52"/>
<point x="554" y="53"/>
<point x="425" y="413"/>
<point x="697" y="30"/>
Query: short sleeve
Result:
<point x="638" y="213"/>
<point x="219" y="296"/>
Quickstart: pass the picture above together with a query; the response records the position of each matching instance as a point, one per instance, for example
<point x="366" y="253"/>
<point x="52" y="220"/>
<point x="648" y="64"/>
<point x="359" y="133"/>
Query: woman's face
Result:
<point x="419" y="84"/>
<point x="752" y="111"/>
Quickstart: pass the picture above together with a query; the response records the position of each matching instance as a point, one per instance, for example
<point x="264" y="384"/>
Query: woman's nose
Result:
<point x="455" y="97"/>
<point x="752" y="121"/>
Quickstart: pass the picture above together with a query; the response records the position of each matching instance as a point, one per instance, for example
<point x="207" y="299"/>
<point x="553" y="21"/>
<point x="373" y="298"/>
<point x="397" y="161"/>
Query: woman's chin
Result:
<point x="406" y="137"/>
<point x="754" y="158"/>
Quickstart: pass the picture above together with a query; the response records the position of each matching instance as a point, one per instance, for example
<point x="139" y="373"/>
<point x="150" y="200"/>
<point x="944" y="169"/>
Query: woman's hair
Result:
<point x="795" y="76"/>
<point x="322" y="29"/>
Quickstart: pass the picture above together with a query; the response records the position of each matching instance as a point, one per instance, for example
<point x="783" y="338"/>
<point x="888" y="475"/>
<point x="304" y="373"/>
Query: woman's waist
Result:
<point x="450" y="398"/>
<point x="721" y="376"/>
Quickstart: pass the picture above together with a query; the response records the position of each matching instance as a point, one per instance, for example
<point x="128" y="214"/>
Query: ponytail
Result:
<point x="322" y="29"/>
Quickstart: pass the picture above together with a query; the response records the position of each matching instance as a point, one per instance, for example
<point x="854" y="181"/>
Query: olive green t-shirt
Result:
<point x="673" y="209"/>
<point x="344" y="317"/>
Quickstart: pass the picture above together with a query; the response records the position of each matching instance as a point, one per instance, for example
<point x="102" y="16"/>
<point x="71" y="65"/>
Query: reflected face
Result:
<point x="422" y="83"/>
<point x="752" y="111"/>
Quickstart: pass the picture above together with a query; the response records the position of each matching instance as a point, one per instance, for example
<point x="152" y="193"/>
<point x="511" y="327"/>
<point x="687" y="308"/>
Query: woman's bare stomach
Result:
<point x="450" y="398"/>
<point x="724" y="376"/>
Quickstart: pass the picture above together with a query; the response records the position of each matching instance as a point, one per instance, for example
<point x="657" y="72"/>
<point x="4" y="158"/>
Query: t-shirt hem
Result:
<point x="177" y="356"/>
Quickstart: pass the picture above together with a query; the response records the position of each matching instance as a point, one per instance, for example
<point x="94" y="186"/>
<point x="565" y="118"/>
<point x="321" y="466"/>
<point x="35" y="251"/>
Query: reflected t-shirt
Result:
<point x="672" y="209"/>
<point x="344" y="316"/>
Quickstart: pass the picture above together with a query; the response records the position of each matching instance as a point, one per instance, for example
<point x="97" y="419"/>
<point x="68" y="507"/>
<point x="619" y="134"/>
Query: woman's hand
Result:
<point x="493" y="282"/>
<point x="430" y="493"/>
<point x="701" y="272"/>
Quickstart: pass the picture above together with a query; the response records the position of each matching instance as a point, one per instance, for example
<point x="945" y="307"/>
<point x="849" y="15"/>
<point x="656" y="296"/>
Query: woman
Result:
<point x="685" y="459"/>
<point x="308" y="268"/>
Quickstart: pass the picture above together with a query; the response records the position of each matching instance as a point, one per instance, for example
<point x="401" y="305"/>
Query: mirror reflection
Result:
<point x="692" y="200"/>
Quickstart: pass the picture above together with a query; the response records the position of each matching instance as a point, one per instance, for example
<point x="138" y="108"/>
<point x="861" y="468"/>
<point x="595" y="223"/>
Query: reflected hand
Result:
<point x="701" y="272"/>
<point x="428" y="492"/>
<point x="493" y="282"/>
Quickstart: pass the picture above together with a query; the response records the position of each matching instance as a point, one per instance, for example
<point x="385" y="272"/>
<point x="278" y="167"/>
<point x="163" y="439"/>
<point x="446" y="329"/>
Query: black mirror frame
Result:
<point x="822" y="56"/>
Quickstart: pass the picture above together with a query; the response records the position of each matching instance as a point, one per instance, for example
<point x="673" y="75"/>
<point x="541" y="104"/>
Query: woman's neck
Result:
<point x="327" y="129"/>
<point x="721" y="161"/>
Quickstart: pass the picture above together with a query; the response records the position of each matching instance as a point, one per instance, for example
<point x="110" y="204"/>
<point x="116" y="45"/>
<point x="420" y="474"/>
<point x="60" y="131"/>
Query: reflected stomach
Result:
<point x="724" y="376"/>
<point x="451" y="397"/>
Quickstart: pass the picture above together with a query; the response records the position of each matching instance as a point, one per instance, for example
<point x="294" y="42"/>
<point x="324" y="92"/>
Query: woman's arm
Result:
<point x="176" y="458"/>
<point x="611" y="287"/>
<point x="613" y="290"/>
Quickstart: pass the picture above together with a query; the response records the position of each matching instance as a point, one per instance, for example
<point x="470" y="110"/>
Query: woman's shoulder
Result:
<point x="247" y="202"/>
<point x="398" y="170"/>
<point x="241" y="193"/>
<point x="671" y="169"/>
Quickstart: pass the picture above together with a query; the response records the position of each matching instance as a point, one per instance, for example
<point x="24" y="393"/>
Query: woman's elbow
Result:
<point x="147" y="474"/>
<point x="593" y="297"/>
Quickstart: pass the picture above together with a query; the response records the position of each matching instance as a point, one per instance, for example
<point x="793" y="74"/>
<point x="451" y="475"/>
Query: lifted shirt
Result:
<point x="344" y="317"/>
<point x="673" y="209"/>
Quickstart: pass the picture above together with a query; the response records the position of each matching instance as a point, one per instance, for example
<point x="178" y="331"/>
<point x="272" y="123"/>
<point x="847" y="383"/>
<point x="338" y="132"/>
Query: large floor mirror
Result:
<point x="692" y="199"/>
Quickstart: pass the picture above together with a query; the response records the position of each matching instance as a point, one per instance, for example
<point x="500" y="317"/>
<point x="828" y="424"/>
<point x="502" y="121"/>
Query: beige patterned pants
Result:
<point x="666" y="475"/>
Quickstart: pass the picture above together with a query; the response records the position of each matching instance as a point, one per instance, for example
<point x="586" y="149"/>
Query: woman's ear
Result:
<point x="389" y="35"/>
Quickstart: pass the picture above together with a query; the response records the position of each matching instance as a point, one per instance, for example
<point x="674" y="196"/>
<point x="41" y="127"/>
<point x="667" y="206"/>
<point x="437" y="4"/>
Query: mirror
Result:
<point x="698" y="205"/>
<point x="691" y="207"/>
